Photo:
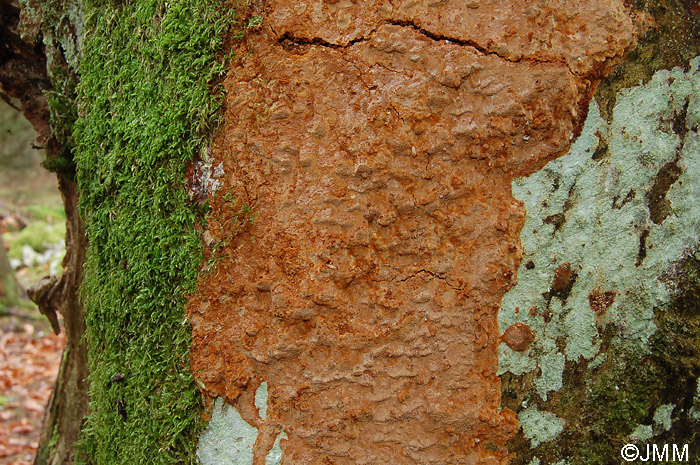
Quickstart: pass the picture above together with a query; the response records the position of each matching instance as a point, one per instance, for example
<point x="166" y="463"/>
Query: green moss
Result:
<point x="63" y="113"/>
<point x="35" y="235"/>
<point x="43" y="453"/>
<point x="49" y="213"/>
<point x="673" y="39"/>
<point x="145" y="109"/>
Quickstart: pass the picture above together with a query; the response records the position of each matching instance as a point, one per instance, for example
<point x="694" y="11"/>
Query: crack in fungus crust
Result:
<point x="363" y="278"/>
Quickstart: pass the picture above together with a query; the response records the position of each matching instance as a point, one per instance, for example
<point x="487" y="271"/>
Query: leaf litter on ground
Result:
<point x="29" y="363"/>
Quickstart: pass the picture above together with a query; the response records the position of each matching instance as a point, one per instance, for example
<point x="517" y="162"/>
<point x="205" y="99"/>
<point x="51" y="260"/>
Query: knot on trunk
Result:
<point x="48" y="294"/>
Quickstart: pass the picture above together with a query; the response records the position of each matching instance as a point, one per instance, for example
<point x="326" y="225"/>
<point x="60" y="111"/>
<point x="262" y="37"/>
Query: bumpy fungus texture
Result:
<point x="365" y="229"/>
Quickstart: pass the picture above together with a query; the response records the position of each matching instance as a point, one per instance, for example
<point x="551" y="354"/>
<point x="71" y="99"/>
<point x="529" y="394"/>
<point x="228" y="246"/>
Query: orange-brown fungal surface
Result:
<point x="518" y="337"/>
<point x="562" y="277"/>
<point x="601" y="301"/>
<point x="365" y="223"/>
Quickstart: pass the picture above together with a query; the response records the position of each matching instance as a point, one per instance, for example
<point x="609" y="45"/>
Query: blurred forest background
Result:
<point x="32" y="227"/>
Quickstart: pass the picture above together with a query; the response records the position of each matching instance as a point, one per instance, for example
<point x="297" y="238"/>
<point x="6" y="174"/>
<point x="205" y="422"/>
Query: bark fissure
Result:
<point x="289" y="40"/>
<point x="434" y="275"/>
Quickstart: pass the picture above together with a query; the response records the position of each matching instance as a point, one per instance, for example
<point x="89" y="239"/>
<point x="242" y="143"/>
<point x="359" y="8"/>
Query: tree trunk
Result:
<point x="23" y="83"/>
<point x="438" y="234"/>
<point x="68" y="405"/>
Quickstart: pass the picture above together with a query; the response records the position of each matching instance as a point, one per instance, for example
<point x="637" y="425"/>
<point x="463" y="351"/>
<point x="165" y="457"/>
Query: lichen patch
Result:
<point x="610" y="346"/>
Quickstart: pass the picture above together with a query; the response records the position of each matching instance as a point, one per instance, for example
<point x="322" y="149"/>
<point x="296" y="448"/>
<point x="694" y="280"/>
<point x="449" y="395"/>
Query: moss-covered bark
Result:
<point x="122" y="94"/>
<point x="671" y="38"/>
<point x="602" y="406"/>
<point x="146" y="108"/>
<point x="145" y="72"/>
<point x="143" y="77"/>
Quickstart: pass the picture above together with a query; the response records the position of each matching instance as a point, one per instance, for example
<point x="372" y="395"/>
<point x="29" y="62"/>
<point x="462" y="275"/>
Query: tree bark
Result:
<point x="385" y="345"/>
<point x="23" y="76"/>
<point x="69" y="400"/>
<point x="23" y="81"/>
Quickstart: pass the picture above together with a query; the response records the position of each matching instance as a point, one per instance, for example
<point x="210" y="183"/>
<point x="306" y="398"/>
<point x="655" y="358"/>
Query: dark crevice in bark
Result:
<point x="434" y="275"/>
<point x="472" y="44"/>
<point x="293" y="43"/>
<point x="658" y="205"/>
<point x="642" y="251"/>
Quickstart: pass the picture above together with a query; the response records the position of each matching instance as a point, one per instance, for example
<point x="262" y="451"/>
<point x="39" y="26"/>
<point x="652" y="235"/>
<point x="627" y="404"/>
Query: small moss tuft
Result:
<point x="672" y="40"/>
<point x="61" y="35"/>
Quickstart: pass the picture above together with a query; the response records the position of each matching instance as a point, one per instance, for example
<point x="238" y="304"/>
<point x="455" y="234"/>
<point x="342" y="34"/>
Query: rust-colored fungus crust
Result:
<point x="366" y="226"/>
<point x="518" y="337"/>
<point x="601" y="301"/>
<point x="562" y="277"/>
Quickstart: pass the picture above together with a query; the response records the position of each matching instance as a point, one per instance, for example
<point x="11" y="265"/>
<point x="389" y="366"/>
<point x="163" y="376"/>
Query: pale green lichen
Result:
<point x="695" y="409"/>
<point x="663" y="420"/>
<point x="616" y="345"/>
<point x="274" y="457"/>
<point x="663" y="416"/>
<point x="672" y="41"/>
<point x="261" y="400"/>
<point x="228" y="438"/>
<point x="69" y="33"/>
<point x="552" y="369"/>
<point x="539" y="427"/>
<point x="597" y="215"/>
<point x="642" y="433"/>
